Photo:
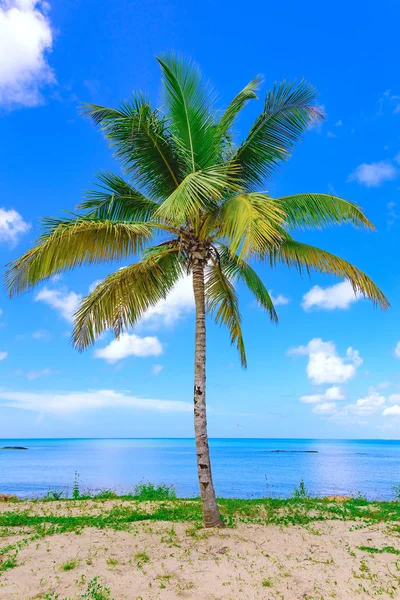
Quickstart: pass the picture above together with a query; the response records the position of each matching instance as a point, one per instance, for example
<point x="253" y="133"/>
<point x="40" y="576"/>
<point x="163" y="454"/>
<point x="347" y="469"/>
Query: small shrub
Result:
<point x="70" y="564"/>
<point x="105" y="495"/>
<point x="53" y="495"/>
<point x="142" y="557"/>
<point x="96" y="591"/>
<point x="75" y="490"/>
<point x="150" y="491"/>
<point x="8" y="563"/>
<point x="396" y="491"/>
<point x="8" y="498"/>
<point x="301" y="491"/>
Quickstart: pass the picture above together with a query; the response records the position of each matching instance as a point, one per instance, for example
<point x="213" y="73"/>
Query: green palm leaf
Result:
<point x="305" y="257"/>
<point x="142" y="142"/>
<point x="321" y="210"/>
<point x="251" y="222"/>
<point x="198" y="191"/>
<point x="189" y="109"/>
<point x="288" y="112"/>
<point x="67" y="244"/>
<point x="237" y="269"/>
<point x="222" y="301"/>
<point x="237" y="104"/>
<point x="115" y="199"/>
<point x="122" y="298"/>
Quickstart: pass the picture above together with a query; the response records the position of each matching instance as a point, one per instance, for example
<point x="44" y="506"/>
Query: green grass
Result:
<point x="292" y="511"/>
<point x="69" y="565"/>
<point x="384" y="550"/>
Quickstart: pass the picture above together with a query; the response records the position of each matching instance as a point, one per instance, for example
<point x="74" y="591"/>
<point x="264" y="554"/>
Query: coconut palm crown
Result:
<point x="190" y="202"/>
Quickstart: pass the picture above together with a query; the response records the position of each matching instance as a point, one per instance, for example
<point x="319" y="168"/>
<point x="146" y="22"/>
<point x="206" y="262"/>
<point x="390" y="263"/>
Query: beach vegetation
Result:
<point x="70" y="564"/>
<point x="151" y="491"/>
<point x="192" y="202"/>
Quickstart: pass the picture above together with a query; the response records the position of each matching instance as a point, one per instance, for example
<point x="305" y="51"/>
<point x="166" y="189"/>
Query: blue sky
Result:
<point x="330" y="368"/>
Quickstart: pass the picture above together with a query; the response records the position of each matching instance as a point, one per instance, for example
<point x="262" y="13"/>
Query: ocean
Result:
<point x="242" y="468"/>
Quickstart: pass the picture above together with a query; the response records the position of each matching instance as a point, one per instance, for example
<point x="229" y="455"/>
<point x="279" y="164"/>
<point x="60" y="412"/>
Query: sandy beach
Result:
<point x="166" y="560"/>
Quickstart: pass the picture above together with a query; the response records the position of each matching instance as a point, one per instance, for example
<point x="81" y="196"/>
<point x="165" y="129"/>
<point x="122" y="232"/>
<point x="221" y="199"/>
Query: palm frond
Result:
<point x="66" y="244"/>
<point x="198" y="191"/>
<point x="142" y="142"/>
<point x="251" y="222"/>
<point x="121" y="299"/>
<point x="305" y="257"/>
<point x="237" y="104"/>
<point x="222" y="302"/>
<point x="188" y="99"/>
<point x="116" y="200"/>
<point x="321" y="210"/>
<point x="237" y="269"/>
<point x="288" y="112"/>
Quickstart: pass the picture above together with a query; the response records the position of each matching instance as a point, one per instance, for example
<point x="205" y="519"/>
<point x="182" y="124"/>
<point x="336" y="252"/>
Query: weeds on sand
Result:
<point x="95" y="591"/>
<point x="384" y="550"/>
<point x="68" y="565"/>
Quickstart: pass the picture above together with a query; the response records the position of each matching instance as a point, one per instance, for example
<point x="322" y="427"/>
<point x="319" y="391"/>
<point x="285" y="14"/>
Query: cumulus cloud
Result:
<point x="394" y="398"/>
<point x="368" y="405"/>
<point x="129" y="345"/>
<point x="397" y="350"/>
<point x="279" y="300"/>
<point x="169" y="311"/>
<point x="324" y="363"/>
<point x="31" y="375"/>
<point x="12" y="225"/>
<point x="156" y="369"/>
<point x="64" y="302"/>
<point x="3" y="355"/>
<point x="374" y="174"/>
<point x="26" y="38"/>
<point x="341" y="295"/>
<point x="327" y="408"/>
<point x="331" y="394"/>
<point x="392" y="411"/>
<point x="71" y="402"/>
<point x="41" y="334"/>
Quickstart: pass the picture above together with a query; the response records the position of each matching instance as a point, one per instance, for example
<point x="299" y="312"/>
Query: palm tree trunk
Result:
<point x="212" y="516"/>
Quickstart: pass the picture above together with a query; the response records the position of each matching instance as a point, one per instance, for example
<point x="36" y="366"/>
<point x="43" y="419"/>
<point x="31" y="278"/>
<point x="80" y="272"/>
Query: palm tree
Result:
<point x="190" y="202"/>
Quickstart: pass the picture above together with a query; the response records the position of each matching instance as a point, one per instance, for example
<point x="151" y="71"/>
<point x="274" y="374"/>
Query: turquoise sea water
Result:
<point x="243" y="468"/>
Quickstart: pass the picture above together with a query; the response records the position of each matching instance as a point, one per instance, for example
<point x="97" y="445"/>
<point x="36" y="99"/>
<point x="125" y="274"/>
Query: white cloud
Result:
<point x="65" y="302"/>
<point x="368" y="405"/>
<point x="12" y="225"/>
<point x="326" y="408"/>
<point x="330" y="134"/>
<point x="339" y="123"/>
<point x="71" y="402"/>
<point x="177" y="304"/>
<point x="394" y="398"/>
<point x="324" y="363"/>
<point x="94" y="285"/>
<point x="374" y="174"/>
<point x="156" y="369"/>
<point x="397" y="350"/>
<point x="31" y="375"/>
<point x="41" y="334"/>
<point x="331" y="394"/>
<point x="3" y="355"/>
<point x="279" y="300"/>
<point x="129" y="345"/>
<point x="341" y="295"/>
<point x="25" y="39"/>
<point x="392" y="410"/>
